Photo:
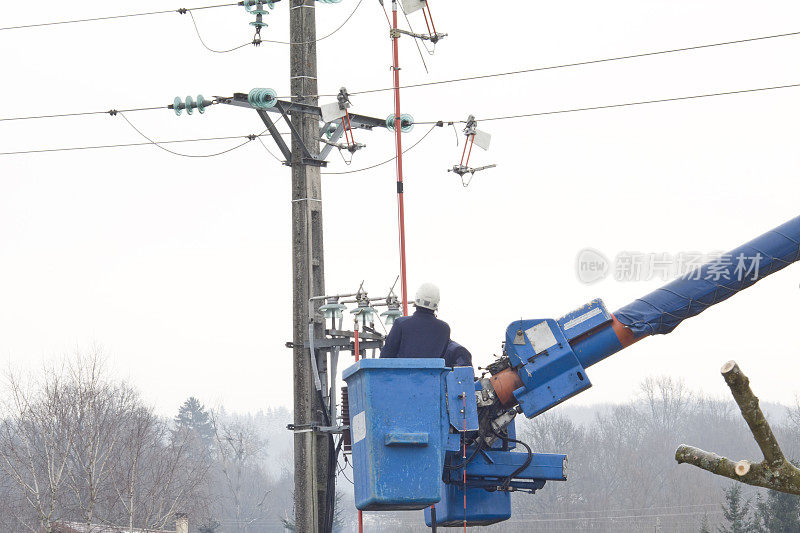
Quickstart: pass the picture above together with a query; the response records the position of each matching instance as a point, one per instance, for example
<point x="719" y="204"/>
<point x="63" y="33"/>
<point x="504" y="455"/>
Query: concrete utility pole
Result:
<point x="310" y="448"/>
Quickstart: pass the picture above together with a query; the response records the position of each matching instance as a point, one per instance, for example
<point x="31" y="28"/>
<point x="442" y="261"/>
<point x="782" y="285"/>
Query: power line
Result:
<point x="566" y="65"/>
<point x="276" y="158"/>
<point x="75" y="21"/>
<point x="197" y="30"/>
<point x="125" y="145"/>
<point x="183" y="11"/>
<point x="111" y="112"/>
<point x="388" y="160"/>
<point x="250" y="138"/>
<point x="628" y="510"/>
<point x="342" y="25"/>
<point x="432" y="123"/>
<point x="454" y="80"/>
<point x="611" y="106"/>
<point x="265" y="145"/>
<point x="612" y="518"/>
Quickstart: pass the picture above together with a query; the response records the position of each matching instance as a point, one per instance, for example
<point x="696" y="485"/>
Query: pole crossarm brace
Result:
<point x="774" y="472"/>
<point x="286" y="109"/>
<point x="273" y="130"/>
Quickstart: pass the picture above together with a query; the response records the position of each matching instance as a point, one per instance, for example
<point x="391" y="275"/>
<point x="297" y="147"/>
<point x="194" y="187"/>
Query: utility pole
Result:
<point x="311" y="449"/>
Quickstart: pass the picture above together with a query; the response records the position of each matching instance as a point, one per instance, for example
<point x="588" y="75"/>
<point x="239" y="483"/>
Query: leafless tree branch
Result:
<point x="774" y="471"/>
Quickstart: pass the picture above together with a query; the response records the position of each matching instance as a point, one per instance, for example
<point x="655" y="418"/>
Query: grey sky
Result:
<point x="180" y="268"/>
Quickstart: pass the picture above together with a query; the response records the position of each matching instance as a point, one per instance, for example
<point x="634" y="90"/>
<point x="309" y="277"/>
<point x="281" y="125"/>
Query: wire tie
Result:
<point x="252" y="137"/>
<point x="182" y="11"/>
<point x="307" y="200"/>
<point x="113" y="112"/>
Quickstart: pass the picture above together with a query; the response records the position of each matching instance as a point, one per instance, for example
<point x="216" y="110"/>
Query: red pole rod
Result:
<point x="464" y="454"/>
<point x="356" y="350"/>
<point x="399" y="159"/>
<point x="355" y="332"/>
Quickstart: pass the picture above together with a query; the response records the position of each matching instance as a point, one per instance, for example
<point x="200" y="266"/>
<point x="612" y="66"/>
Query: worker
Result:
<point x="457" y="355"/>
<point x="421" y="334"/>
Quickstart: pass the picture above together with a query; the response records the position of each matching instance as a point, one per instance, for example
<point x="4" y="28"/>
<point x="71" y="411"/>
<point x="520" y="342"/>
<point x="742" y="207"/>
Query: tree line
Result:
<point x="77" y="446"/>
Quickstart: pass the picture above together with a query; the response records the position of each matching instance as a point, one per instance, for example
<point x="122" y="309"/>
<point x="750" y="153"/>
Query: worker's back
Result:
<point x="418" y="335"/>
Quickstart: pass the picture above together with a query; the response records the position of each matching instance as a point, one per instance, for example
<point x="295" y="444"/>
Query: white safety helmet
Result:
<point x="427" y="296"/>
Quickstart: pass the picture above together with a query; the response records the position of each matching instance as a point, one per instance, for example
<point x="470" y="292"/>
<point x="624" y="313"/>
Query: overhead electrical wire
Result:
<point x="433" y="124"/>
<point x="125" y="145"/>
<point x="182" y="11"/>
<point x="564" y="65"/>
<point x="250" y="138"/>
<point x="384" y="162"/>
<point x="111" y="112"/>
<point x="265" y="144"/>
<point x="416" y="41"/>
<point x="611" y="106"/>
<point x="112" y="17"/>
<point x="197" y="30"/>
<point x="342" y="25"/>
<point x="454" y="80"/>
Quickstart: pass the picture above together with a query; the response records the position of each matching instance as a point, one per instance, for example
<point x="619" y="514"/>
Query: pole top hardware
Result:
<point x="474" y="137"/>
<point x="343" y="98"/>
<point x="471" y="126"/>
<point x="406" y="122"/>
<point x="260" y="98"/>
<point x="190" y="105"/>
<point x="350" y="147"/>
<point x="432" y="37"/>
<point x="256" y="7"/>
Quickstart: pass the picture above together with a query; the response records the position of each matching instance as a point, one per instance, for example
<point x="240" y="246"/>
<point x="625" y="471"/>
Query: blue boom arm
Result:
<point x="548" y="358"/>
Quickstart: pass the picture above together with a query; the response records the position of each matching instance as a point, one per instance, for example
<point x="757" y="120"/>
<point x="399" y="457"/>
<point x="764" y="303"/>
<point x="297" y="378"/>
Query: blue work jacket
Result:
<point x="457" y="355"/>
<point x="418" y="335"/>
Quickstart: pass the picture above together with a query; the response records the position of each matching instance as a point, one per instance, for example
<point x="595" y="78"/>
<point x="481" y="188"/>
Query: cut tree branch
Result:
<point x="774" y="472"/>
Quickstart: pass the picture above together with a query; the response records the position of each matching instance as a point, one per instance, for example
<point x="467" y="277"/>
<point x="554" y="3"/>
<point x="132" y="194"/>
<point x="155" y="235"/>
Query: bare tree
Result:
<point x="35" y="443"/>
<point x="153" y="475"/>
<point x="774" y="471"/>
<point x="96" y="410"/>
<point x="667" y="400"/>
<point x="79" y="446"/>
<point x="237" y="448"/>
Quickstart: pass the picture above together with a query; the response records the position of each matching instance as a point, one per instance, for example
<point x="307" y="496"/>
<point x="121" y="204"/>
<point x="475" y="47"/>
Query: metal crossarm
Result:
<point x="286" y="109"/>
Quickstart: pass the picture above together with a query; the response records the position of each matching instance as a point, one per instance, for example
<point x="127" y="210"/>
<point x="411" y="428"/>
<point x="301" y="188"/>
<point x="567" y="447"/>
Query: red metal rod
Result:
<point x="464" y="454"/>
<point x="471" y="142"/>
<point x="349" y="128"/>
<point x="426" y="22"/>
<point x="464" y="152"/>
<point x="355" y="331"/>
<point x="356" y="350"/>
<point x="399" y="158"/>
<point x="428" y="7"/>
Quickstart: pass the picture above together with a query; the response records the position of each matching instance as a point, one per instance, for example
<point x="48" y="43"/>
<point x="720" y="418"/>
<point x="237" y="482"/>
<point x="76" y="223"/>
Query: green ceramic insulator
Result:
<point x="406" y="123"/>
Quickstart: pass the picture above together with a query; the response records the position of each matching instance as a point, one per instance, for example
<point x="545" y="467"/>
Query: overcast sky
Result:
<point x="180" y="268"/>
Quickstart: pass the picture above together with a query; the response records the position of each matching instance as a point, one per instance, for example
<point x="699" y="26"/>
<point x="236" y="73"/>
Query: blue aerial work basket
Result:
<point x="397" y="427"/>
<point x="483" y="507"/>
